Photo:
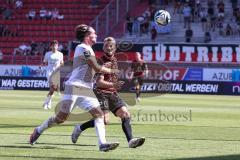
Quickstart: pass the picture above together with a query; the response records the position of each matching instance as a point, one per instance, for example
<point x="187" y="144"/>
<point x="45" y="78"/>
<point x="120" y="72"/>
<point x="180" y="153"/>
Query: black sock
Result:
<point x="86" y="125"/>
<point x="138" y="94"/>
<point x="127" y="128"/>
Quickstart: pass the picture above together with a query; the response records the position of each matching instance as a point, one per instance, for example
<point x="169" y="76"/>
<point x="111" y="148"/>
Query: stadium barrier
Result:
<point x="23" y="83"/>
<point x="175" y="52"/>
<point x="149" y="86"/>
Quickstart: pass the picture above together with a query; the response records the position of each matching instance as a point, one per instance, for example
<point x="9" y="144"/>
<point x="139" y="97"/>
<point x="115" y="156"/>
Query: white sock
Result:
<point x="46" y="124"/>
<point x="47" y="99"/>
<point x="100" y="130"/>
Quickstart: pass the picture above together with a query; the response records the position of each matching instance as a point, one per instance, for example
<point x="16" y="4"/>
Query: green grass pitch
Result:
<point x="180" y="127"/>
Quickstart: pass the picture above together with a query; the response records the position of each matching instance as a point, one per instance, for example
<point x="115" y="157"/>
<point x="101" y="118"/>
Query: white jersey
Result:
<point x="82" y="73"/>
<point x="53" y="60"/>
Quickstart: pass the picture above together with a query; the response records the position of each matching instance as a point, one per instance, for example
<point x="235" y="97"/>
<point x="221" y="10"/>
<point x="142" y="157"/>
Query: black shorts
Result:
<point x="109" y="101"/>
<point x="138" y="80"/>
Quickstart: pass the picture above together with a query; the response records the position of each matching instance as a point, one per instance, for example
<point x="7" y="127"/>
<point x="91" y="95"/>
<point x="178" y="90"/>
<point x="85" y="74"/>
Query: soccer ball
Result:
<point x="162" y="17"/>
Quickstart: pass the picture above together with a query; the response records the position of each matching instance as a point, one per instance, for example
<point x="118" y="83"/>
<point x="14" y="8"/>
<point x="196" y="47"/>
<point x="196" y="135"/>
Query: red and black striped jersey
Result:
<point x="138" y="68"/>
<point x="109" y="63"/>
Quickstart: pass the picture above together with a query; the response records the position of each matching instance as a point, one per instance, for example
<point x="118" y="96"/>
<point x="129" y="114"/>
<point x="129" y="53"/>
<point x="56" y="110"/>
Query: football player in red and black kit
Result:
<point x="139" y="67"/>
<point x="105" y="89"/>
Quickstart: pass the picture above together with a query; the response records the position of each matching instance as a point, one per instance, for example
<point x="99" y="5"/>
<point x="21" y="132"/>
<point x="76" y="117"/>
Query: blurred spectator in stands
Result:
<point x="14" y="31"/>
<point x="207" y="37"/>
<point x="187" y="15"/>
<point x="162" y="3"/>
<point x="177" y="6"/>
<point x="60" y="16"/>
<point x="94" y="4"/>
<point x="9" y="31"/>
<point x="234" y="27"/>
<point x="18" y="4"/>
<point x="213" y="23"/>
<point x="147" y="13"/>
<point x="146" y="22"/>
<point x="60" y="46"/>
<point x="64" y="49"/>
<point x="43" y="13"/>
<point x="1" y="56"/>
<point x="238" y="17"/>
<point x="188" y="34"/>
<point x="49" y="15"/>
<point x="235" y="11"/>
<point x="136" y="25"/>
<point x="198" y="8"/>
<point x="220" y="7"/>
<point x="211" y="5"/>
<point x="23" y="49"/>
<point x="129" y="23"/>
<point x="2" y="9"/>
<point x="153" y="33"/>
<point x="234" y="3"/>
<point x="228" y="30"/>
<point x="33" y="46"/>
<point x="191" y="4"/>
<point x="39" y="49"/>
<point x="141" y="24"/>
<point x="10" y="1"/>
<point x="43" y="47"/>
<point x="151" y="2"/>
<point x="152" y="10"/>
<point x="203" y="17"/>
<point x="1" y="30"/>
<point x="208" y="24"/>
<point x="6" y="31"/>
<point x="7" y="14"/>
<point x="31" y="14"/>
<point x="220" y="26"/>
<point x="238" y="29"/>
<point x="55" y="13"/>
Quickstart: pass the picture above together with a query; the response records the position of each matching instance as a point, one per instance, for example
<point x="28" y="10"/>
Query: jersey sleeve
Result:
<point x="45" y="59"/>
<point x="82" y="51"/>
<point x="86" y="54"/>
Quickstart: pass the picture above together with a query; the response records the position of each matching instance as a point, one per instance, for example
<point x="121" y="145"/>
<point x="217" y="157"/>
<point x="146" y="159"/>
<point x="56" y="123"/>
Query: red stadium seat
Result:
<point x="74" y="11"/>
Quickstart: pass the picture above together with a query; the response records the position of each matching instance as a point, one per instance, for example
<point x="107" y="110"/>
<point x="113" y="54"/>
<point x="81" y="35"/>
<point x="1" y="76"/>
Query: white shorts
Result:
<point x="86" y="101"/>
<point x="53" y="78"/>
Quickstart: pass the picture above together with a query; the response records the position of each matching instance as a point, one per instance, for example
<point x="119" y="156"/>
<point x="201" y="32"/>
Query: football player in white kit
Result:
<point x="78" y="89"/>
<point x="53" y="59"/>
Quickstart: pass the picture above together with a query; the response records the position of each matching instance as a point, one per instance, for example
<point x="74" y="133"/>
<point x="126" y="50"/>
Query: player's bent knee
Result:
<point x="126" y="114"/>
<point x="123" y="113"/>
<point x="96" y="112"/>
<point x="61" y="117"/>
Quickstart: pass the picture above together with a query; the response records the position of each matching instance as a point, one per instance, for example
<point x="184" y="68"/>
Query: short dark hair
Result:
<point x="81" y="31"/>
<point x="109" y="39"/>
<point x="53" y="42"/>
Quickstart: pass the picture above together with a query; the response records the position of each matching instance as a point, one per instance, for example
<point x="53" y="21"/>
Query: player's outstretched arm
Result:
<point x="99" y="68"/>
<point x="100" y="82"/>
